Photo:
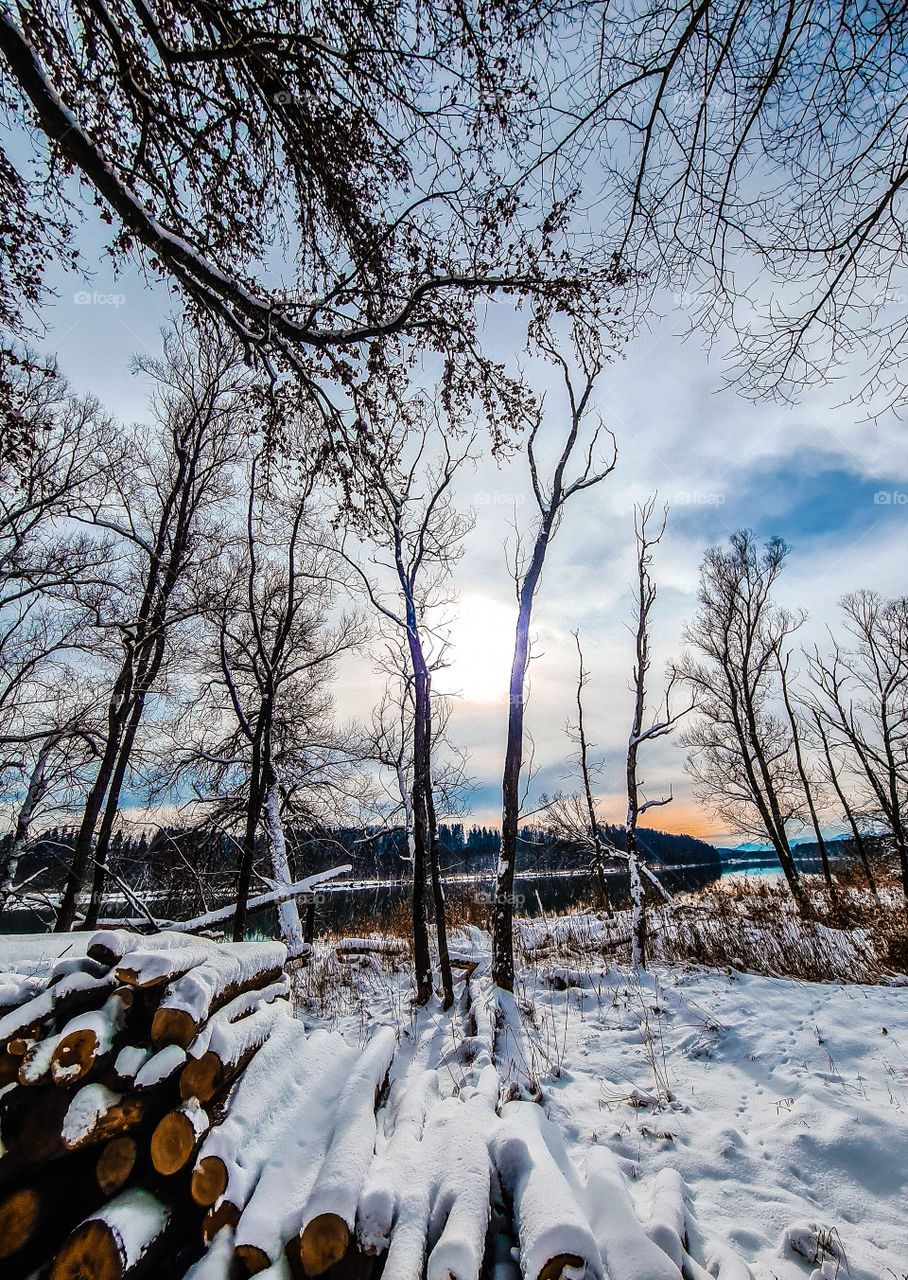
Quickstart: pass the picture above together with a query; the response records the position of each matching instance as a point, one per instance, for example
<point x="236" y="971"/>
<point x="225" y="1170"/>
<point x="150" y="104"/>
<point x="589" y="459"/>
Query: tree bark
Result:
<point x="288" y="913"/>
<point x="37" y="785"/>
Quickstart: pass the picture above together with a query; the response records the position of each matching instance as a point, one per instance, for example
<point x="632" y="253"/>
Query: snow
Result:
<point x="130" y="1060"/>
<point x="136" y="1219"/>
<point x="341" y="1177"/>
<point x="530" y="1157"/>
<point x="779" y="1105"/>
<point x="90" y="1103"/>
<point x="146" y="966"/>
<point x="36" y="953"/>
<point x="704" y="1124"/>
<point x="117" y="943"/>
<point x="16" y="988"/>
<point x="160" y="1066"/>
<point x="228" y="965"/>
<point x="296" y="1144"/>
<point x="237" y="1009"/>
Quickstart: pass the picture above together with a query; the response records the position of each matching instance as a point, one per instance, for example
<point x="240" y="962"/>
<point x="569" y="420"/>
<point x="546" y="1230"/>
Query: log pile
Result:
<point x="163" y="1114"/>
<point x="116" y="1069"/>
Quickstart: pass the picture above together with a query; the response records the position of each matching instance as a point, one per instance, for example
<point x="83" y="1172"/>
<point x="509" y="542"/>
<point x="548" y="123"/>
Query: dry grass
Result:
<point x="751" y="924"/>
<point x="747" y="922"/>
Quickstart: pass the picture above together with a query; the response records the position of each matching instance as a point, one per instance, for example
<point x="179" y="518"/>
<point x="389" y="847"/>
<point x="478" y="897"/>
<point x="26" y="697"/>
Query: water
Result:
<point x="762" y="870"/>
<point x="338" y="908"/>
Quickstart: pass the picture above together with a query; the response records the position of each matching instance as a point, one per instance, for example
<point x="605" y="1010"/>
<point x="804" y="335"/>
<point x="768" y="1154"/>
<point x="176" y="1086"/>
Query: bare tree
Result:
<point x="741" y="753"/>
<point x="663" y="724"/>
<point x="417" y="535"/>
<point x="380" y="151"/>
<point x="803" y="772"/>
<point x="162" y="510"/>
<point x="265" y="737"/>
<point x="834" y="770"/>
<point x="50" y="758"/>
<point x="551" y="499"/>
<point x="861" y="699"/>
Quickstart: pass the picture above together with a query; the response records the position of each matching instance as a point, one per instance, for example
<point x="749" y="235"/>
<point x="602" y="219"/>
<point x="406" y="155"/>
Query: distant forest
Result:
<point x="194" y="867"/>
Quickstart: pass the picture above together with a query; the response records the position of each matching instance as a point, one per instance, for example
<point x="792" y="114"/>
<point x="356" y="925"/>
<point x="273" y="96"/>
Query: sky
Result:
<point x="832" y="484"/>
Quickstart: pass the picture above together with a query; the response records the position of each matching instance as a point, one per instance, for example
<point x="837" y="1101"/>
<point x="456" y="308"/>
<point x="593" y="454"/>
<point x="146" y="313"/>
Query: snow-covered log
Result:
<point x="96" y="1113"/>
<point x="73" y="992"/>
<point x="286" y="1155"/>
<point x="257" y="1103"/>
<point x="458" y="1135"/>
<point x="378" y="945"/>
<point x="213" y="919"/>
<point x="397" y="1158"/>
<point x="88" y="1040"/>
<point x="553" y="1230"/>
<point x="160" y="1066"/>
<point x="330" y="1213"/>
<point x="152" y="967"/>
<point x="112" y="1242"/>
<point x="231" y="1045"/>
<point x="667" y="1223"/>
<point x="176" y="1136"/>
<point x="17" y="988"/>
<point x="627" y="1251"/>
<point x="109" y="946"/>
<point x="191" y="999"/>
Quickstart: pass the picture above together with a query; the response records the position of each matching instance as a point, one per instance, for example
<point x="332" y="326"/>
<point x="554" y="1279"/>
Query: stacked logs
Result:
<point x="146" y="1088"/>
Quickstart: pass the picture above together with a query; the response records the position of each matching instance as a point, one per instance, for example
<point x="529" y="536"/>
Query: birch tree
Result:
<point x="551" y="496"/>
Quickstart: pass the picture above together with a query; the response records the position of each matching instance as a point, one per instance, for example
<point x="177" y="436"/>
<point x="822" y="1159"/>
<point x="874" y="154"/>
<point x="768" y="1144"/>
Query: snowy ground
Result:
<point x="695" y="1123"/>
<point x="783" y="1105"/>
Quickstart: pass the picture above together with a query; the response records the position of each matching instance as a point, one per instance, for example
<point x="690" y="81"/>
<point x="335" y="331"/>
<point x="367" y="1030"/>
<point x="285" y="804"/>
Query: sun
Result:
<point x="481" y="646"/>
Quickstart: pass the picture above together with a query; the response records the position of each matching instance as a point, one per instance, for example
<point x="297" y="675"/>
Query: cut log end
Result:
<point x="323" y="1242"/>
<point x="91" y="1252"/>
<point x="172" y="1143"/>
<point x="173" y="1026"/>
<point x="115" y="1164"/>
<point x="252" y="1258"/>
<point x="555" y="1268"/>
<point x="209" y="1180"/>
<point x="18" y="1218"/>
<point x="201" y="1077"/>
<point x="215" y="1220"/>
<point x="74" y="1056"/>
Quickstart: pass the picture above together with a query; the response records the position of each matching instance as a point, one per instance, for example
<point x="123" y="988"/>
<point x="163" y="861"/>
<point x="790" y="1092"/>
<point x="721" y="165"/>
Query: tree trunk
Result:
<point x="847" y="809"/>
<point x="503" y="909"/>
<point x="438" y="893"/>
<point x="288" y="913"/>
<point x="82" y="851"/>
<point x="37" y="785"/>
<point x="247" y="849"/>
<point x="421" y="955"/>
<point x="805" y="783"/>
